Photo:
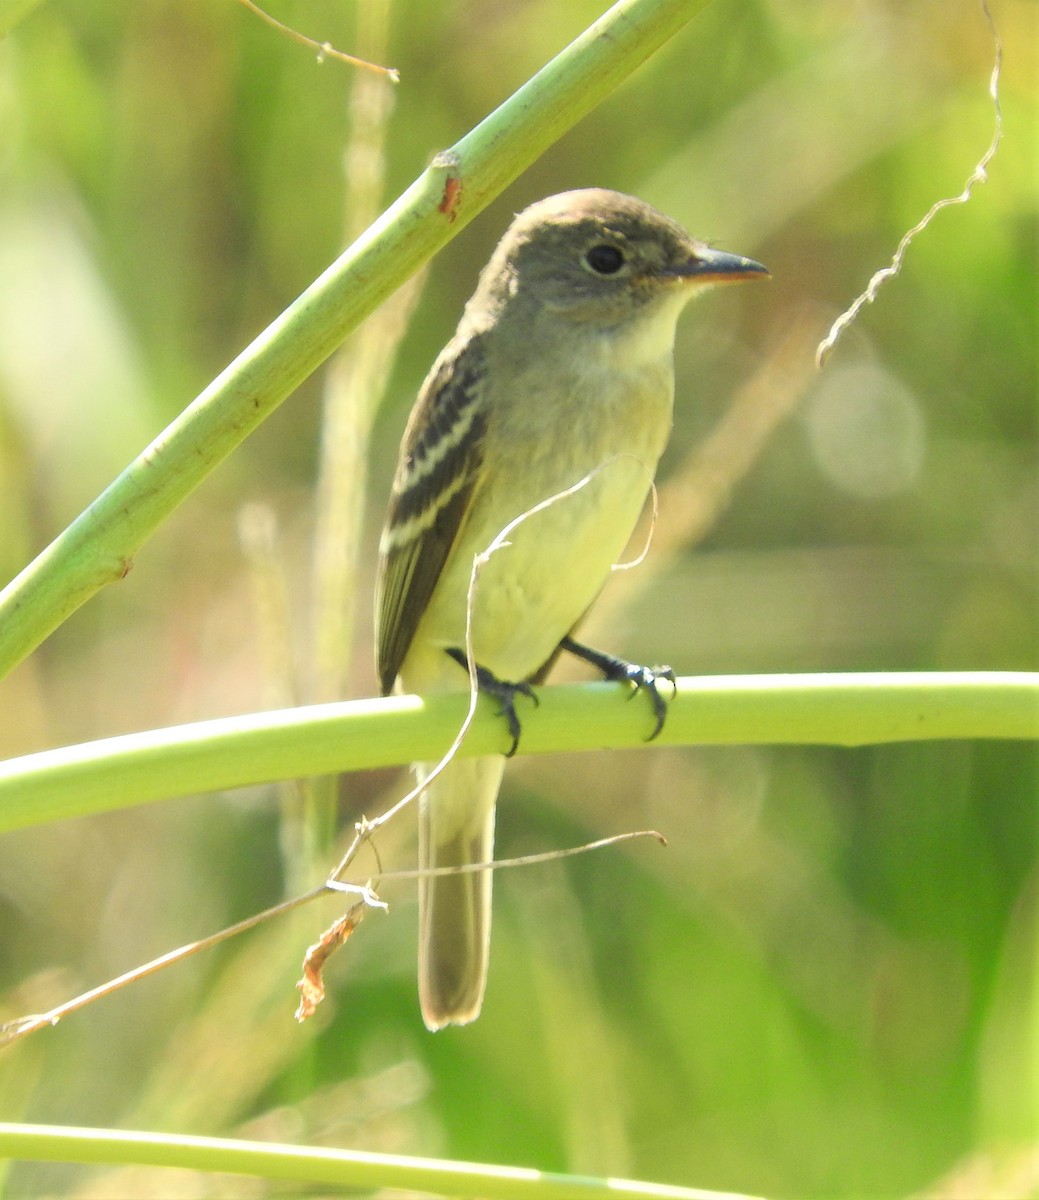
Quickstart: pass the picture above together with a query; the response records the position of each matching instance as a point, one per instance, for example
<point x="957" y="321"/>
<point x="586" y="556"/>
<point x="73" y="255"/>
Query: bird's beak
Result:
<point x="716" y="266"/>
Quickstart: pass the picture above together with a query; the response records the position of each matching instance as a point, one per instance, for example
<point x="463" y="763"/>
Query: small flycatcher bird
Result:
<point x="560" y="371"/>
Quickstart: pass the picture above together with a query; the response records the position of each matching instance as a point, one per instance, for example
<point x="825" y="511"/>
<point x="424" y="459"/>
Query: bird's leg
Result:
<point x="504" y="693"/>
<point x="617" y="669"/>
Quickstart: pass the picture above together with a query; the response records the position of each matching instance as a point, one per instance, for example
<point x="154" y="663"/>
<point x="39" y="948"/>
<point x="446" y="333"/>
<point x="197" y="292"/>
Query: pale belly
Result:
<point x="533" y="583"/>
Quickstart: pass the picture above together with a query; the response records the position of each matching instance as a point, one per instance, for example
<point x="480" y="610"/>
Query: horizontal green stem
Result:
<point x="358" y="735"/>
<point x="99" y="546"/>
<point x="335" y="1168"/>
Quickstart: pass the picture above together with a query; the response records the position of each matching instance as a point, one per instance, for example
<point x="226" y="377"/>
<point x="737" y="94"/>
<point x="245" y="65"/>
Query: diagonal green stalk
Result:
<point x="845" y="710"/>
<point x="99" y="546"/>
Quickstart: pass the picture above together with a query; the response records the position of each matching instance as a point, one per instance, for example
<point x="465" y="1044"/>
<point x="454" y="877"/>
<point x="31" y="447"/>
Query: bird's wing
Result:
<point x="436" y="477"/>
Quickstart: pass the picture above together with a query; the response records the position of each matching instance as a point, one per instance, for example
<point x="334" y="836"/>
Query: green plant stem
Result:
<point x="99" y="546"/>
<point x="846" y="710"/>
<point x="336" y="1168"/>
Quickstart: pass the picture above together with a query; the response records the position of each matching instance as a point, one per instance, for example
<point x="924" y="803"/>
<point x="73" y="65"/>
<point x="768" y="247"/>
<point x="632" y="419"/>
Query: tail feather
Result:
<point x="456" y="828"/>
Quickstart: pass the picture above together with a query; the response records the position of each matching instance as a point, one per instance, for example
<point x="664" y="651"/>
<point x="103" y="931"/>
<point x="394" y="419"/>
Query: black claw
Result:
<point x="646" y="679"/>
<point x="618" y="670"/>
<point x="504" y="693"/>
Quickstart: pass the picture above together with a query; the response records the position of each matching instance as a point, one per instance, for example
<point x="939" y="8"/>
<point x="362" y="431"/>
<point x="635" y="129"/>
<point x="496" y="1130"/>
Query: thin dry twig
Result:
<point x="322" y="49"/>
<point x="502" y="864"/>
<point x="978" y="175"/>
<point x="21" y="1027"/>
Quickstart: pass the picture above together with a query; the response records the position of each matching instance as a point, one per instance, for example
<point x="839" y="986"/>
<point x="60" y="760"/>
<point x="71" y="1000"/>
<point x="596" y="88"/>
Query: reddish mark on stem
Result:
<point x="452" y="194"/>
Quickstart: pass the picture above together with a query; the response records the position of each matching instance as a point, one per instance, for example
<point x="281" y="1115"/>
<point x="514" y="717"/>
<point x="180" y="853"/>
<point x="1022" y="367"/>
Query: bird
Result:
<point x="558" y="382"/>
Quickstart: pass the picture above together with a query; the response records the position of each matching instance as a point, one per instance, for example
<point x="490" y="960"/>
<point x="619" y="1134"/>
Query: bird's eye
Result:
<point x="605" y="259"/>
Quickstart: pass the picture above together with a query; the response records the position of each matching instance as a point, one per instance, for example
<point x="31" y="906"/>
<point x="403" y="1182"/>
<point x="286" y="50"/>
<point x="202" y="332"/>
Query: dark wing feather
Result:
<point x="436" y="475"/>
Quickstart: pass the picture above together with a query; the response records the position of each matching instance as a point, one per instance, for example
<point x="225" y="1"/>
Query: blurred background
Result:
<point x="825" y="985"/>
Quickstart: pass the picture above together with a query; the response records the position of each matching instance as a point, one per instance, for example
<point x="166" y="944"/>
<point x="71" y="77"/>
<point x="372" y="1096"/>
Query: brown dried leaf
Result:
<point x="312" y="985"/>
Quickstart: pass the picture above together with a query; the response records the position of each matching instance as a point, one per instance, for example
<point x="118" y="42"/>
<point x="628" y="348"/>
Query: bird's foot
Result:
<point x="645" y="679"/>
<point x="504" y="693"/>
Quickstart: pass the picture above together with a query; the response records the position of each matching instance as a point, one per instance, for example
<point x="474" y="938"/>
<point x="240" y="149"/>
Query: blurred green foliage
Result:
<point x="825" y="985"/>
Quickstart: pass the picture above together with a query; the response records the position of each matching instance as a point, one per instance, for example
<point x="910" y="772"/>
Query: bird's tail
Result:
<point x="456" y="828"/>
